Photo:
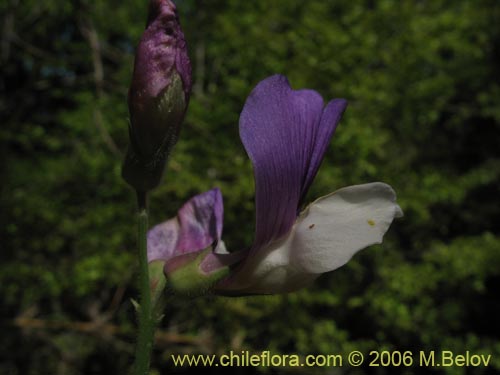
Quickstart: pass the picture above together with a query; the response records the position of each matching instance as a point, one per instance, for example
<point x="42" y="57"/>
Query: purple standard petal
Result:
<point x="285" y="133"/>
<point x="198" y="224"/>
<point x="325" y="130"/>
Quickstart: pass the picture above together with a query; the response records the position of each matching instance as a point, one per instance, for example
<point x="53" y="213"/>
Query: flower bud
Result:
<point x="158" y="96"/>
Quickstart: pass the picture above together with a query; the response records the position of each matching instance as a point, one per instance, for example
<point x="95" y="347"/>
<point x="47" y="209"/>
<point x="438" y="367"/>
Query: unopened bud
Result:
<point x="158" y="96"/>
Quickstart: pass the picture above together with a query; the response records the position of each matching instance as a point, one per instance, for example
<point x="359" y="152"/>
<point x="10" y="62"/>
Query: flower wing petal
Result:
<point x="335" y="227"/>
<point x="198" y="224"/>
<point x="326" y="235"/>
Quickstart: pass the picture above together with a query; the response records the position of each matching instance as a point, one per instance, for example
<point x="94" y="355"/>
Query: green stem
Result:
<point x="146" y="319"/>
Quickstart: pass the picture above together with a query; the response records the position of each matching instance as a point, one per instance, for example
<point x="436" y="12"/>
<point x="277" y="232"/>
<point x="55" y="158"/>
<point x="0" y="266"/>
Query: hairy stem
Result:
<point x="146" y="319"/>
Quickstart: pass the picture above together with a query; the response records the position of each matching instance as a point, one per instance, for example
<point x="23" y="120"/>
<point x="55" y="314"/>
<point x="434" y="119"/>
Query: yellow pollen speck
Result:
<point x="371" y="222"/>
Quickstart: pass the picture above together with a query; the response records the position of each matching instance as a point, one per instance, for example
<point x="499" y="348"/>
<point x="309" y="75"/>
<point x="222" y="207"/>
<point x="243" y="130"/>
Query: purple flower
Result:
<point x="286" y="134"/>
<point x="158" y="96"/>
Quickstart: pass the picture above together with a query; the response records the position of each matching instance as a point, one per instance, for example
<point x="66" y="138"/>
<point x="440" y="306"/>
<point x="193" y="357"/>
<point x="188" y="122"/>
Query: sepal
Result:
<point x="186" y="275"/>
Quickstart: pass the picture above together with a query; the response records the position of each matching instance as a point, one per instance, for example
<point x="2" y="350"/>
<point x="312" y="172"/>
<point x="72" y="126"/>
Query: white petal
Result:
<point x="326" y="235"/>
<point x="335" y="227"/>
<point x="220" y="248"/>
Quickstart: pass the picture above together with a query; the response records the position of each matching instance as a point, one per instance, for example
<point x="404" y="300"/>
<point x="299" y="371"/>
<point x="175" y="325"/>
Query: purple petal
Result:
<point x="326" y="128"/>
<point x="286" y="137"/>
<point x="197" y="225"/>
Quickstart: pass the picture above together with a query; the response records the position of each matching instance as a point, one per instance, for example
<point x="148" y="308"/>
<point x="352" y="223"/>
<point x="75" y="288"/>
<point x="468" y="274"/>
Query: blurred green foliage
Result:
<point x="422" y="80"/>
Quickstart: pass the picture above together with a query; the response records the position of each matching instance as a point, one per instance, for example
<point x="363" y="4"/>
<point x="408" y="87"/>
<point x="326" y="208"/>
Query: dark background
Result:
<point x="422" y="81"/>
